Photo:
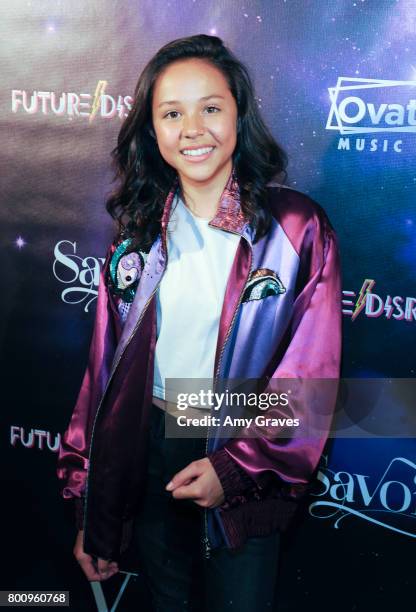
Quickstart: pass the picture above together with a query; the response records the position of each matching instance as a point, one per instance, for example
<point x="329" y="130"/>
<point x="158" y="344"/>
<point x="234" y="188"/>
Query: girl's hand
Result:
<point x="93" y="570"/>
<point x="199" y="482"/>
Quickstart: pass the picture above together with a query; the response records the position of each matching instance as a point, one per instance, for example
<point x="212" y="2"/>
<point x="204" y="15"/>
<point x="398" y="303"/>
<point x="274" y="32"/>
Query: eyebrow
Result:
<point x="200" y="100"/>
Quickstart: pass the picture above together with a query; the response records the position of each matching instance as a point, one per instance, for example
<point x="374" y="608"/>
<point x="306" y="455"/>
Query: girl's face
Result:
<point x="193" y="109"/>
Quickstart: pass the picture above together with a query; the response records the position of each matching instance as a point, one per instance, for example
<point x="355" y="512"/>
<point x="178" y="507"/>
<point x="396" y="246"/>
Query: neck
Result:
<point x="203" y="198"/>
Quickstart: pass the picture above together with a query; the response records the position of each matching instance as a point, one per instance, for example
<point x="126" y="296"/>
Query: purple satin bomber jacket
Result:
<point x="293" y="333"/>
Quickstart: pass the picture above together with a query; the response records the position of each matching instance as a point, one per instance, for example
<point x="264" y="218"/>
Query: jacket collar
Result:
<point x="229" y="216"/>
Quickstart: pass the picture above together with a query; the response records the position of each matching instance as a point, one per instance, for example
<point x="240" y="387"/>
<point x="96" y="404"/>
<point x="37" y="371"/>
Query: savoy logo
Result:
<point x="388" y="503"/>
<point x="80" y="274"/>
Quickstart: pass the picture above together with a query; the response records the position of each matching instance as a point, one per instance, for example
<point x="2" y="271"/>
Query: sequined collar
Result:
<point x="229" y="215"/>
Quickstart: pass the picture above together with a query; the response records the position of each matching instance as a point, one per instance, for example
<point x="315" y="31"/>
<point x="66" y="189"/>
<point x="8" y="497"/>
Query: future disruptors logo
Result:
<point x="373" y="305"/>
<point x="71" y="104"/>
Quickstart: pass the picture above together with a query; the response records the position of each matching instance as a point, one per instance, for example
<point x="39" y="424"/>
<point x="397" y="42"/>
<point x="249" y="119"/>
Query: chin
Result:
<point x="199" y="172"/>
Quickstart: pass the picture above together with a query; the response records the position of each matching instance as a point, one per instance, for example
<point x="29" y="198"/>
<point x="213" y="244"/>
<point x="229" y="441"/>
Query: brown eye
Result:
<point x="171" y="113"/>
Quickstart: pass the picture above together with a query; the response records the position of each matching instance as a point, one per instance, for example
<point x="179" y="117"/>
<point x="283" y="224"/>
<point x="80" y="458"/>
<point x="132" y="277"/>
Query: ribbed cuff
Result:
<point x="234" y="480"/>
<point x="257" y="519"/>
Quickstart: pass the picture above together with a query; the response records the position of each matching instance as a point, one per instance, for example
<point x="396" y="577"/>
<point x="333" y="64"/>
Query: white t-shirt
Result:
<point x="190" y="297"/>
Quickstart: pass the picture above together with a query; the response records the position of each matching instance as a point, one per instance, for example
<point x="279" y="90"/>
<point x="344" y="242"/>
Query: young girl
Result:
<point x="215" y="273"/>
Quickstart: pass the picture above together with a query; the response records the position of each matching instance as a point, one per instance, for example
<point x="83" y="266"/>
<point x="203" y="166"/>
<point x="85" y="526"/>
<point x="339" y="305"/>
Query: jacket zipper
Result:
<point x="108" y="383"/>
<point x="207" y="545"/>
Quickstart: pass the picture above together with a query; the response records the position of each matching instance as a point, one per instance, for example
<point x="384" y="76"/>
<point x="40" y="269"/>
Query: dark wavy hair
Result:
<point x="144" y="178"/>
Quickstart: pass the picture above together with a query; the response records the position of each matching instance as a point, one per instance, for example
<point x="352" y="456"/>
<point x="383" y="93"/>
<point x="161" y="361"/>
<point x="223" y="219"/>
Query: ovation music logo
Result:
<point x="372" y="106"/>
<point x="71" y="104"/>
<point x="388" y="503"/>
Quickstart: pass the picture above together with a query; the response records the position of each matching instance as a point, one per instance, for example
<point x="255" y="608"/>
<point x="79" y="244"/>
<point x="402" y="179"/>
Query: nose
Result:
<point x="193" y="126"/>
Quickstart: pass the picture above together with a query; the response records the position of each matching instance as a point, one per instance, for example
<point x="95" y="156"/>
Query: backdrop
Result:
<point x="335" y="82"/>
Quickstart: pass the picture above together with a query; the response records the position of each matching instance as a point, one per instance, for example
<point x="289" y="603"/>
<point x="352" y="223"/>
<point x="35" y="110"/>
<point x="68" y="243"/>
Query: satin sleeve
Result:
<point x="313" y="351"/>
<point x="73" y="456"/>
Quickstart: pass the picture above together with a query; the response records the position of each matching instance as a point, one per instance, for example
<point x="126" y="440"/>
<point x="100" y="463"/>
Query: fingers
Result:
<point x="192" y="490"/>
<point x="101" y="569"/>
<point x="204" y="489"/>
<point x="106" y="569"/>
<point x="89" y="568"/>
<point x="191" y="471"/>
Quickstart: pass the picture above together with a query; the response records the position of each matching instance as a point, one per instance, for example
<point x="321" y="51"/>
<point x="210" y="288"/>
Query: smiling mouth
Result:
<point x="201" y="152"/>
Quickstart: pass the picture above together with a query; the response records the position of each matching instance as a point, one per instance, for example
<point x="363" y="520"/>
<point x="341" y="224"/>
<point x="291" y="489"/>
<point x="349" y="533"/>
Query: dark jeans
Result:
<point x="168" y="534"/>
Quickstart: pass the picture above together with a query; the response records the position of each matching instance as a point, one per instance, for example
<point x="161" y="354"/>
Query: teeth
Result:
<point x="197" y="151"/>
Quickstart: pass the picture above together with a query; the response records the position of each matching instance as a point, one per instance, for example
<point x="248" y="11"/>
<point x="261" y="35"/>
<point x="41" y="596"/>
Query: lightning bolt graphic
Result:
<point x="388" y="307"/>
<point x="367" y="286"/>
<point x="99" y="90"/>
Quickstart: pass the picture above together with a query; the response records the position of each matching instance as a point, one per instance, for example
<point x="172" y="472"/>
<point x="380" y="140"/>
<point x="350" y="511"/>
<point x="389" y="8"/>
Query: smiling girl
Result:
<point x="215" y="272"/>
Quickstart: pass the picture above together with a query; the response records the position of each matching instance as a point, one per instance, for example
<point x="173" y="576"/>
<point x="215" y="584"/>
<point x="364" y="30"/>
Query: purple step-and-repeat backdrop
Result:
<point x="336" y="83"/>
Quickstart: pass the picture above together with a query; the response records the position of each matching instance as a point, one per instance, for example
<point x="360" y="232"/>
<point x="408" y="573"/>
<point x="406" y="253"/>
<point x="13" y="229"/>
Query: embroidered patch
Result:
<point x="125" y="270"/>
<point x="262" y="283"/>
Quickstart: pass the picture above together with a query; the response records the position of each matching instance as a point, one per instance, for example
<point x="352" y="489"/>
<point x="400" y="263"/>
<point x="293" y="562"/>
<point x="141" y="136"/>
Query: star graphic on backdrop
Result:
<point x="20" y="242"/>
